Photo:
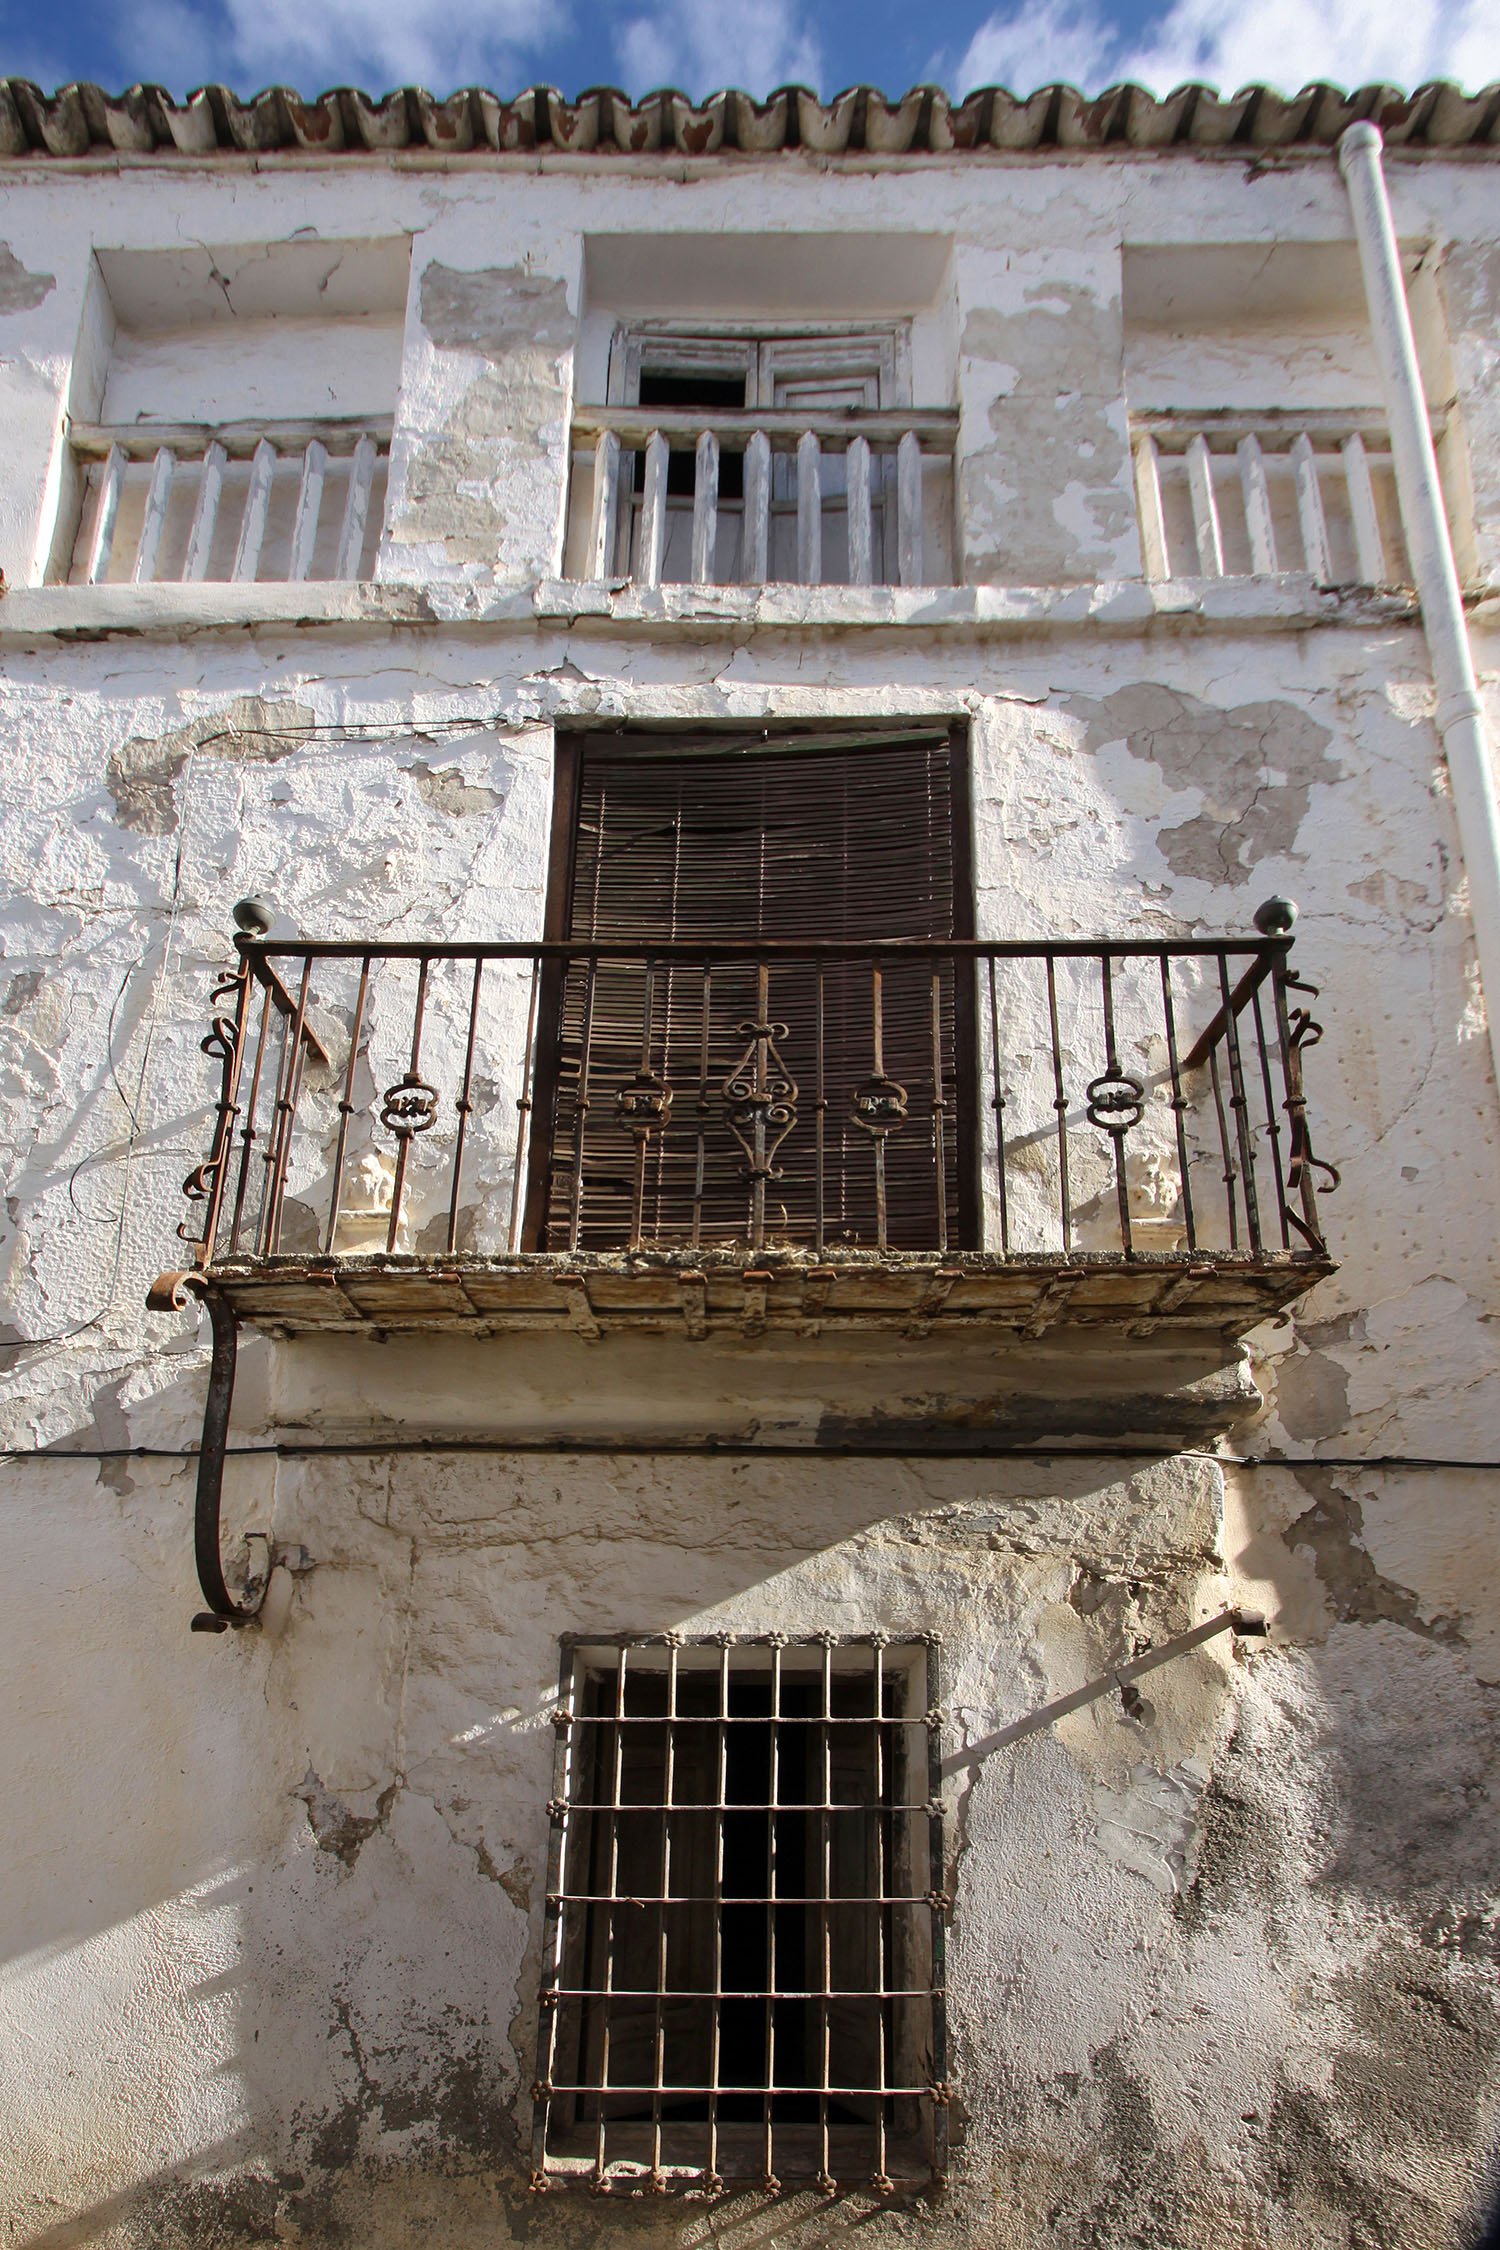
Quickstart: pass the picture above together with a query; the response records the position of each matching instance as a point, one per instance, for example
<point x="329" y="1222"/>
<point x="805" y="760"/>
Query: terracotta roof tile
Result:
<point x="82" y="120"/>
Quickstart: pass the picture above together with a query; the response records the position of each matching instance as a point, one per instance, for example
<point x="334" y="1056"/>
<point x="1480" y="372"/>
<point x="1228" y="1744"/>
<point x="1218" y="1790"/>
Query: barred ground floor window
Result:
<point x="743" y="1975"/>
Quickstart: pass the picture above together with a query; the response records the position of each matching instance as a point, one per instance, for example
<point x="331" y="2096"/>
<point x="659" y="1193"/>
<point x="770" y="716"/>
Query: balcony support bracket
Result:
<point x="172" y="1293"/>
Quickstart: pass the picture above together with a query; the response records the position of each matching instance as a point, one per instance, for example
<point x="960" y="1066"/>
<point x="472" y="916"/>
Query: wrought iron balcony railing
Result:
<point x="229" y="503"/>
<point x="806" y="496"/>
<point x="1012" y="1125"/>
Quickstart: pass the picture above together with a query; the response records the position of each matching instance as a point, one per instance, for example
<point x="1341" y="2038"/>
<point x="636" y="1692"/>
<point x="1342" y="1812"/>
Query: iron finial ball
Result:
<point x="1276" y="917"/>
<point x="253" y="916"/>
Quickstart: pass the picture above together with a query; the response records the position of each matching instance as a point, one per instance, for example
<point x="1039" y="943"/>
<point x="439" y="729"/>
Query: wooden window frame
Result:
<point x="571" y="747"/>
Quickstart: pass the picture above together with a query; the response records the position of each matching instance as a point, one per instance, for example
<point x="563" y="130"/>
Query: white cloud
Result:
<point x="1034" y="46"/>
<point x="1285" y="43"/>
<point x="316" y="43"/>
<point x="701" y="46"/>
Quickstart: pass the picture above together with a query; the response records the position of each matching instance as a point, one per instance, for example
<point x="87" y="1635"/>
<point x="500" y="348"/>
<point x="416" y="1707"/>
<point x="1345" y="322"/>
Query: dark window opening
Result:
<point x="705" y="847"/>
<point x="718" y="394"/>
<point x="745" y="1956"/>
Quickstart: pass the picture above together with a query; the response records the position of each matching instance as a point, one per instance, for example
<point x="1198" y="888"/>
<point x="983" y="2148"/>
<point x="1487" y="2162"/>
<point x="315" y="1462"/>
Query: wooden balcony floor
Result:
<point x="753" y="1294"/>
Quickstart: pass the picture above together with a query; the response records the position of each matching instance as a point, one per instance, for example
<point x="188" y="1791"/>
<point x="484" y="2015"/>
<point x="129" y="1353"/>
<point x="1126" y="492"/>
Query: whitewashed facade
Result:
<point x="333" y="514"/>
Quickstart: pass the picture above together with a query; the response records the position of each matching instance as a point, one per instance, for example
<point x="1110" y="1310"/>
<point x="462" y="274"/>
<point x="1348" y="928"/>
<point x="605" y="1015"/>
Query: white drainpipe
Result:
<point x="1460" y="713"/>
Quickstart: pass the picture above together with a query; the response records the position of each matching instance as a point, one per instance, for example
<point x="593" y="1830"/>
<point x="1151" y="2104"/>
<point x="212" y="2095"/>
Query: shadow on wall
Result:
<point x="274" y="1965"/>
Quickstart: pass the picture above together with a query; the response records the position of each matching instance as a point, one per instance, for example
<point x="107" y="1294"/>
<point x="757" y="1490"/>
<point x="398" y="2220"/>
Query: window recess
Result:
<point x="724" y="459"/>
<point x="743" y="1963"/>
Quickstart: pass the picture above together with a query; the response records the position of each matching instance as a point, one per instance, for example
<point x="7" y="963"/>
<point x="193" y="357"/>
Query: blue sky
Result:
<point x="702" y="44"/>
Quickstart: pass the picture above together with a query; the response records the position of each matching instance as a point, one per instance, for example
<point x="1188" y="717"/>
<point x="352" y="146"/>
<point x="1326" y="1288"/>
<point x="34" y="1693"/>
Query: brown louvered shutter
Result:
<point x="791" y="843"/>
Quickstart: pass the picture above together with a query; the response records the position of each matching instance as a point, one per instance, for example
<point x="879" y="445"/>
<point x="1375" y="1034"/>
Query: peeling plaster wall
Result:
<point x="269" y="1953"/>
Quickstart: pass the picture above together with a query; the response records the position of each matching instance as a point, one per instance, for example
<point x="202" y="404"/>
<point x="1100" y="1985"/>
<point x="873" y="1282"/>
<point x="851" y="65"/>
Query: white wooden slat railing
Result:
<point x="197" y="476"/>
<point x="1231" y="495"/>
<point x="817" y="491"/>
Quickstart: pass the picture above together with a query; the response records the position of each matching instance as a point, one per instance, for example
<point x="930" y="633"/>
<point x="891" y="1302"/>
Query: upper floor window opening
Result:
<point x="230" y="413"/>
<point x="1257" y="429"/>
<point x="727" y="457"/>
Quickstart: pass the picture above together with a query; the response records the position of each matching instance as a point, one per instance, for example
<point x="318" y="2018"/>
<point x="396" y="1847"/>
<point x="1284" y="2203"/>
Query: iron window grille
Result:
<point x="743" y="1960"/>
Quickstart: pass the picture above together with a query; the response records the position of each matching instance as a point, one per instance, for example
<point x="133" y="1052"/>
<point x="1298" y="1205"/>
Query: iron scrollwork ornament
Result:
<point x="409" y="1107"/>
<point x="221" y="1043"/>
<point x="1116" y="1101"/>
<point x="1303" y="1031"/>
<point x="760" y="1094"/>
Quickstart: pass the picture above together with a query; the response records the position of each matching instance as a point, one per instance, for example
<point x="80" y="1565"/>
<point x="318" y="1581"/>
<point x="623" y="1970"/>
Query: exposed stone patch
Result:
<point x="446" y="791"/>
<point x="1312" y="1394"/>
<point x="142" y="776"/>
<point x="1254" y="766"/>
<point x="1333" y="1529"/>
<point x="495" y="311"/>
<point x="21" y="991"/>
<point x="21" y="291"/>
<point x="1056" y="433"/>
<point x="488" y="469"/>
<point x="335" y="1828"/>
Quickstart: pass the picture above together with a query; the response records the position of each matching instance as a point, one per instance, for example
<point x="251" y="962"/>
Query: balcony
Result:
<point x="833" y="497"/>
<point x="1229" y="495"/>
<point x="796" y="1136"/>
<point x="231" y="504"/>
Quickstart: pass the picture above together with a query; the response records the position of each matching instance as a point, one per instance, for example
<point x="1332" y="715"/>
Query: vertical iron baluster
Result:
<point x="1113" y="1070"/>
<point x="1230" y="1172"/>
<point x="1273" y="1129"/>
<point x="1299" y="1168"/>
<point x="1179" y="1100"/>
<point x="762" y="1088"/>
<point x="581" y="1108"/>
<point x="711" y="2180"/>
<point x="703" y="1112"/>
<point x="769" y="2179"/>
<point x="413" y="1076"/>
<point x="820" y="1111"/>
<point x="999" y="1108"/>
<point x="346" y="1108"/>
<point x="554" y="1932"/>
<point x="937" y="1878"/>
<point x="1239" y="1103"/>
<point x="877" y="1022"/>
<point x="882" y="1797"/>
<point x="601" y="2150"/>
<point x="464" y="1105"/>
<point x="270" y="1137"/>
<point x="229" y="1038"/>
<point x="939" y="1109"/>
<point x="825" y="1949"/>
<point x="663" y="1947"/>
<point x="248" y="1135"/>
<point x="523" y="1107"/>
<point x="294" y="1089"/>
<point x="1060" y="1104"/>
<point x="286" y="1063"/>
<point x="638" y="1189"/>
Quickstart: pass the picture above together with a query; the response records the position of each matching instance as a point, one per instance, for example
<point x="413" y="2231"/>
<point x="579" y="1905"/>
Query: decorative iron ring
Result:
<point x="1116" y="1101"/>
